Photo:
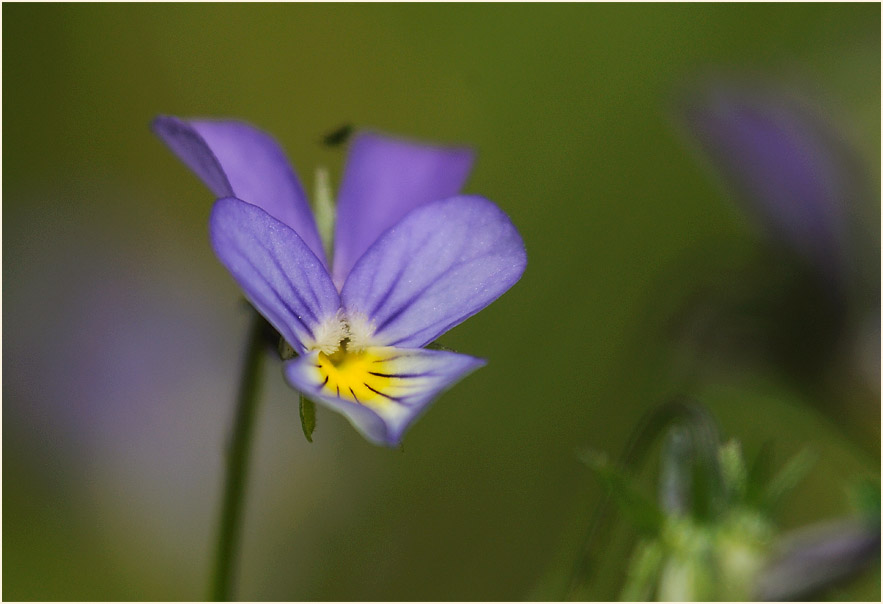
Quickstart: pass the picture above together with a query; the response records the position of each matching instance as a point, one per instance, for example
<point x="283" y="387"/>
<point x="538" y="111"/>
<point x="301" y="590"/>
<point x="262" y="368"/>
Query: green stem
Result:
<point x="239" y="447"/>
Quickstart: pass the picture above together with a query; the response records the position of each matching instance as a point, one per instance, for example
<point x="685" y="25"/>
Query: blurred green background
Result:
<point x="123" y="335"/>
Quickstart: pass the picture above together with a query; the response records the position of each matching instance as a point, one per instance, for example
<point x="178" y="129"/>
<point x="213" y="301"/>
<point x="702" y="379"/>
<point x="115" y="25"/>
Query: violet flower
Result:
<point x="815" y="558"/>
<point x="412" y="259"/>
<point x="788" y="166"/>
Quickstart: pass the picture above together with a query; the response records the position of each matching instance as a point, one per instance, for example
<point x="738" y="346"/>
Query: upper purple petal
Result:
<point x="235" y="159"/>
<point x="279" y="274"/>
<point x="441" y="264"/>
<point x="384" y="179"/>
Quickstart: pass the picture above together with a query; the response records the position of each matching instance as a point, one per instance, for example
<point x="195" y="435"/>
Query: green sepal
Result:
<point x="787" y="479"/>
<point x="307" y="417"/>
<point x="643" y="572"/>
<point x="286" y="351"/>
<point x="733" y="471"/>
<point x="324" y="210"/>
<point x="676" y="474"/>
<point x="644" y="514"/>
<point x="759" y="473"/>
<point x="436" y="346"/>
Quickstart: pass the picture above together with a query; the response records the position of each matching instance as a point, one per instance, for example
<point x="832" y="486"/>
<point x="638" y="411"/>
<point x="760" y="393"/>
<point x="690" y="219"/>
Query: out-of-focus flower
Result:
<point x="711" y="540"/>
<point x="801" y="307"/>
<point x="412" y="259"/>
<point x="713" y="535"/>
<point x="787" y="165"/>
<point x="817" y="557"/>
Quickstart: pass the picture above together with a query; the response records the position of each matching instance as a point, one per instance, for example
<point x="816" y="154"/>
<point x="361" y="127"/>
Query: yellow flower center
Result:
<point x="357" y="376"/>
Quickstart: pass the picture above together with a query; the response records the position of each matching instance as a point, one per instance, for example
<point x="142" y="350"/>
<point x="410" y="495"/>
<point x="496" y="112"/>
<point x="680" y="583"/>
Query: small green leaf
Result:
<point x="642" y="511"/>
<point x="307" y="417"/>
<point x="787" y="479"/>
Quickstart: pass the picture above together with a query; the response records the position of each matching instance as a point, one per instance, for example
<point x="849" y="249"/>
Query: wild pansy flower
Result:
<point x="412" y="259"/>
<point x="789" y="166"/>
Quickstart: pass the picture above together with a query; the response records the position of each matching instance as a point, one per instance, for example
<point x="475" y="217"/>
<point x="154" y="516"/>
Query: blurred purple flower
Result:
<point x="412" y="259"/>
<point x="787" y="166"/>
<point x="818" y="557"/>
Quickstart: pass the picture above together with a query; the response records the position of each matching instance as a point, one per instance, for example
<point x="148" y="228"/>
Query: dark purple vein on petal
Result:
<point x="394" y="399"/>
<point x="293" y="290"/>
<point x="282" y="302"/>
<point x="402" y="376"/>
<point x="404" y="307"/>
<point x="389" y="291"/>
<point x="392" y="358"/>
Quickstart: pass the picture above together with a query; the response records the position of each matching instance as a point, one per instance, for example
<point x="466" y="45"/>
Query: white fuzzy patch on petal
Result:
<point x="329" y="334"/>
<point x="361" y="332"/>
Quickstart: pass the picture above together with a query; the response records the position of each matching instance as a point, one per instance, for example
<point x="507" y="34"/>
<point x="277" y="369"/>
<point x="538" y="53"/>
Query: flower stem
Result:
<point x="238" y="449"/>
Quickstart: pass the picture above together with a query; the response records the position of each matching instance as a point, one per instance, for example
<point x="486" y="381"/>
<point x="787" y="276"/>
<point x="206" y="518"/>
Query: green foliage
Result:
<point x="786" y="480"/>
<point x="759" y="474"/>
<point x="436" y="346"/>
<point x="733" y="471"/>
<point x="643" y="572"/>
<point x="701" y="553"/>
<point x="623" y="201"/>
<point x="865" y="498"/>
<point x="286" y="352"/>
<point x="644" y="514"/>
<point x="324" y="210"/>
<point x="675" y="483"/>
<point x="307" y="417"/>
<point x="712" y="533"/>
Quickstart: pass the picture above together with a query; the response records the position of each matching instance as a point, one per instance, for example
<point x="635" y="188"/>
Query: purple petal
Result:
<point x="237" y="160"/>
<point x="784" y="162"/>
<point x="441" y="264"/>
<point x="279" y="274"/>
<point x="384" y="179"/>
<point x="816" y="558"/>
<point x="405" y="381"/>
